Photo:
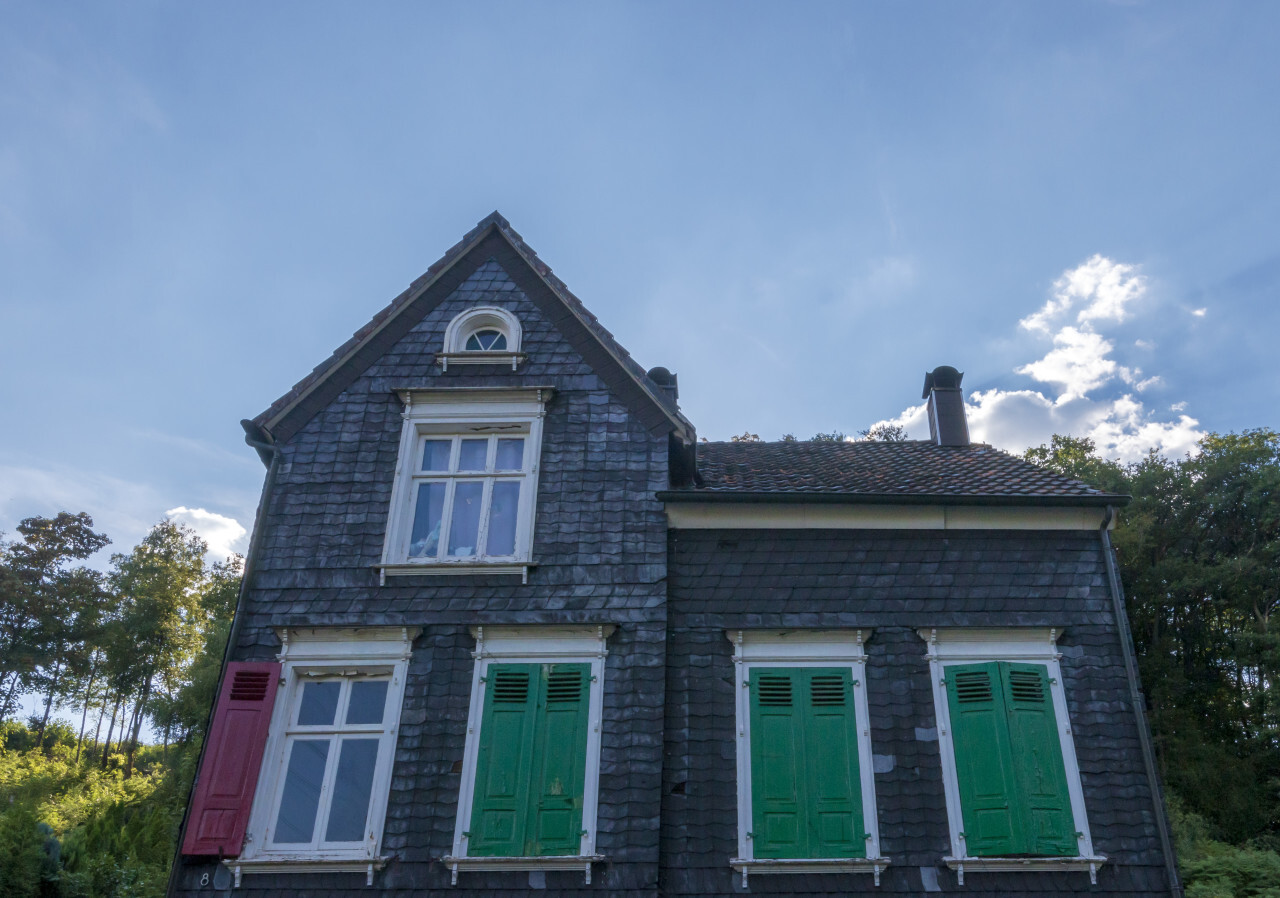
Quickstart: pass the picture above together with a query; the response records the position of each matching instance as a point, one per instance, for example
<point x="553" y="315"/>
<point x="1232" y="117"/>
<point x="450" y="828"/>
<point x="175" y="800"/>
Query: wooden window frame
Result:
<point x="533" y="645"/>
<point x="765" y="649"/>
<point x="335" y="652"/>
<point x="464" y="413"/>
<point x="1031" y="645"/>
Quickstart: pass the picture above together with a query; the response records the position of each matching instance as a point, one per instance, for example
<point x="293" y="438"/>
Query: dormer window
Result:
<point x="486" y="335"/>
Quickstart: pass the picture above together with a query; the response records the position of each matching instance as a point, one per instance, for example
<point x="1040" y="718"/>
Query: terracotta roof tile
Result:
<point x="911" y="468"/>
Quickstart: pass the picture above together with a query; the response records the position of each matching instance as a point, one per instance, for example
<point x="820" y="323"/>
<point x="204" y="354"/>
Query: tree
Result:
<point x="46" y="606"/>
<point x="885" y="433"/>
<point x="159" y="586"/>
<point x="1199" y="548"/>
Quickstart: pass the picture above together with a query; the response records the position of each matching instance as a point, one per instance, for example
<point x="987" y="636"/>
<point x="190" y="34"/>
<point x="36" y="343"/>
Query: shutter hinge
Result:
<point x="1079" y="835"/>
<point x="582" y="832"/>
<point x="751" y="835"/>
<point x="467" y="834"/>
<point x="595" y="679"/>
<point x="483" y="679"/>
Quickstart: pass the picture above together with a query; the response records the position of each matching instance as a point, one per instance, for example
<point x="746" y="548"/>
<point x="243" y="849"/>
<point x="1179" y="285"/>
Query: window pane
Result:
<point x="505" y="504"/>
<point x="368" y="699"/>
<point x="465" y="525"/>
<point x="319" y="702"/>
<point x="297" y="818"/>
<point x="349" y="810"/>
<point x="510" y="455"/>
<point x="472" y="456"/>
<point x="487" y="340"/>
<point x="435" y="455"/>
<point x="425" y="538"/>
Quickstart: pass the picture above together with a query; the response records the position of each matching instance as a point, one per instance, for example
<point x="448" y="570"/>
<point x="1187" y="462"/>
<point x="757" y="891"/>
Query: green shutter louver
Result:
<point x="1049" y="826"/>
<point x="531" y="765"/>
<point x="806" y="790"/>
<point x="1013" y="785"/>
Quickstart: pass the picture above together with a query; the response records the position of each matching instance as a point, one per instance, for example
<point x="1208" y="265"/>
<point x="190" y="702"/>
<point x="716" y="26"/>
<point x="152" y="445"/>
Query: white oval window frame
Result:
<point x="478" y="319"/>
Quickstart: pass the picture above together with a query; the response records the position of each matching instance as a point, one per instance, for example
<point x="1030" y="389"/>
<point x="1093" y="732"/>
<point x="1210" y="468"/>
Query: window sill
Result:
<point x="365" y="865"/>
<point x="581" y="862"/>
<point x="479" y="357"/>
<point x="1016" y="864"/>
<point x="452" y="568"/>
<point x="872" y="865"/>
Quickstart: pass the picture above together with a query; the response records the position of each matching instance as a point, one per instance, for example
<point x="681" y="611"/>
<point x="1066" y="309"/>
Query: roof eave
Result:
<point x="800" y="498"/>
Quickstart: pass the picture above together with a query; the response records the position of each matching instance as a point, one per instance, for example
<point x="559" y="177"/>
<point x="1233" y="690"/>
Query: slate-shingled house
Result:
<point x="508" y="627"/>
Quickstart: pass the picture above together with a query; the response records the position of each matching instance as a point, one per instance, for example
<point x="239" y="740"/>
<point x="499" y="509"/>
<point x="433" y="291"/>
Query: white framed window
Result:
<point x="531" y="767"/>
<point x="466" y="481"/>
<point x="322" y="793"/>
<point x="485" y="335"/>
<point x="806" y="783"/>
<point x="1009" y="767"/>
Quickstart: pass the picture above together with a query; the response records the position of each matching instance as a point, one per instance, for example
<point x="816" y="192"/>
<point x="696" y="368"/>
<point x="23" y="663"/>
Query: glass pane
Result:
<point x="472" y="456"/>
<point x="504" y="504"/>
<point x="425" y="538"/>
<point x="510" y="455"/>
<point x="487" y="340"/>
<point x="301" y="794"/>
<point x="368" y="699"/>
<point x="349" y="810"/>
<point x="435" y="455"/>
<point x="465" y="525"/>
<point x="319" y="702"/>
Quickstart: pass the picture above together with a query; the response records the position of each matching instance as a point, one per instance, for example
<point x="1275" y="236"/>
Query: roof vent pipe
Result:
<point x="666" y="381"/>
<point x="947" y="425"/>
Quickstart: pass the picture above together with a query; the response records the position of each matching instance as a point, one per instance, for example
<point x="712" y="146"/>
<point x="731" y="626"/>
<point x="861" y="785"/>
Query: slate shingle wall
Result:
<point x="600" y="545"/>
<point x="893" y="582"/>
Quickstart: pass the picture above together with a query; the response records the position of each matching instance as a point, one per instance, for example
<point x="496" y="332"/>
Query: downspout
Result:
<point x="258" y="439"/>
<point x="1135" y="698"/>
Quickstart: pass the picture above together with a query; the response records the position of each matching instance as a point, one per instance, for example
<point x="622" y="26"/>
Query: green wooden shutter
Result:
<point x="502" y="767"/>
<point x="559" y="761"/>
<point x="777" y="759"/>
<point x="806" y="791"/>
<point x="834" y="785"/>
<point x="984" y="761"/>
<point x="1048" y="825"/>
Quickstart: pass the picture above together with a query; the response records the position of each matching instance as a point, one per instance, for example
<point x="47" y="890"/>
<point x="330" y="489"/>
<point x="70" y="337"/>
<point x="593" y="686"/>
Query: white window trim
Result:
<point x="533" y="645"/>
<point x="1034" y="645"/>
<point x="331" y="650"/>
<point x="463" y="409"/>
<point x="481" y="317"/>
<point x="803" y="648"/>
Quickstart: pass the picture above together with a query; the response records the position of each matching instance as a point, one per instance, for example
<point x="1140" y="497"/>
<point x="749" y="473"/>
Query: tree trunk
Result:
<point x="137" y="726"/>
<point x="8" y="699"/>
<point x="84" y="714"/>
<point x="48" y="702"/>
<point x="106" y="746"/>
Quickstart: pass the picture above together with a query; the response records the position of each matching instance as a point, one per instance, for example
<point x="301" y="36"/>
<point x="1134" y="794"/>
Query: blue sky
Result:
<point x="800" y="208"/>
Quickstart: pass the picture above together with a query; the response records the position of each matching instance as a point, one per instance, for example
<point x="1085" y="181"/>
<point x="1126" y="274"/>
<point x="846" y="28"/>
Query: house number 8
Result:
<point x="204" y="880"/>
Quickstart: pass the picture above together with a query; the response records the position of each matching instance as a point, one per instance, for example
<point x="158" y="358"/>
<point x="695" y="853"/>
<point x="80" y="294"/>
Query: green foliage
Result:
<point x="885" y="433"/>
<point x="1214" y="869"/>
<point x="1198" y="550"/>
<point x="87" y="819"/>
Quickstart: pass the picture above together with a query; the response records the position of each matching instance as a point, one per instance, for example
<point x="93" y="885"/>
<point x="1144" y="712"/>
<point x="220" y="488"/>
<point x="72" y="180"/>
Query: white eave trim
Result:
<point x="808" y="516"/>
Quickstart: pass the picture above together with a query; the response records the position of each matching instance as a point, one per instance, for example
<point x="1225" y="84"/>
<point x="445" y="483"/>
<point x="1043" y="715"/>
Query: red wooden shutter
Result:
<point x="229" y="772"/>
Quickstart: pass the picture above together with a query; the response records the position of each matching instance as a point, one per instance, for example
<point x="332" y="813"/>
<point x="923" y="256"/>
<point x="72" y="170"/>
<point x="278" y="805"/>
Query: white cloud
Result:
<point x="225" y="535"/>
<point x="1078" y="362"/>
<point x="1199" y="313"/>
<point x="1078" y="368"/>
<point x="1101" y="287"/>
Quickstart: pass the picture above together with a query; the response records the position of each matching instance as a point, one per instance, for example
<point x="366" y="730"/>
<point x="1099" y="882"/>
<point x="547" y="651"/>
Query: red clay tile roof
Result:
<point x="864" y="468"/>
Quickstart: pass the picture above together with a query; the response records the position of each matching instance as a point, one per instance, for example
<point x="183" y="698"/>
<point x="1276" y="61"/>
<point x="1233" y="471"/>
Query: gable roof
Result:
<point x="492" y="238"/>
<point x="878" y="471"/>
